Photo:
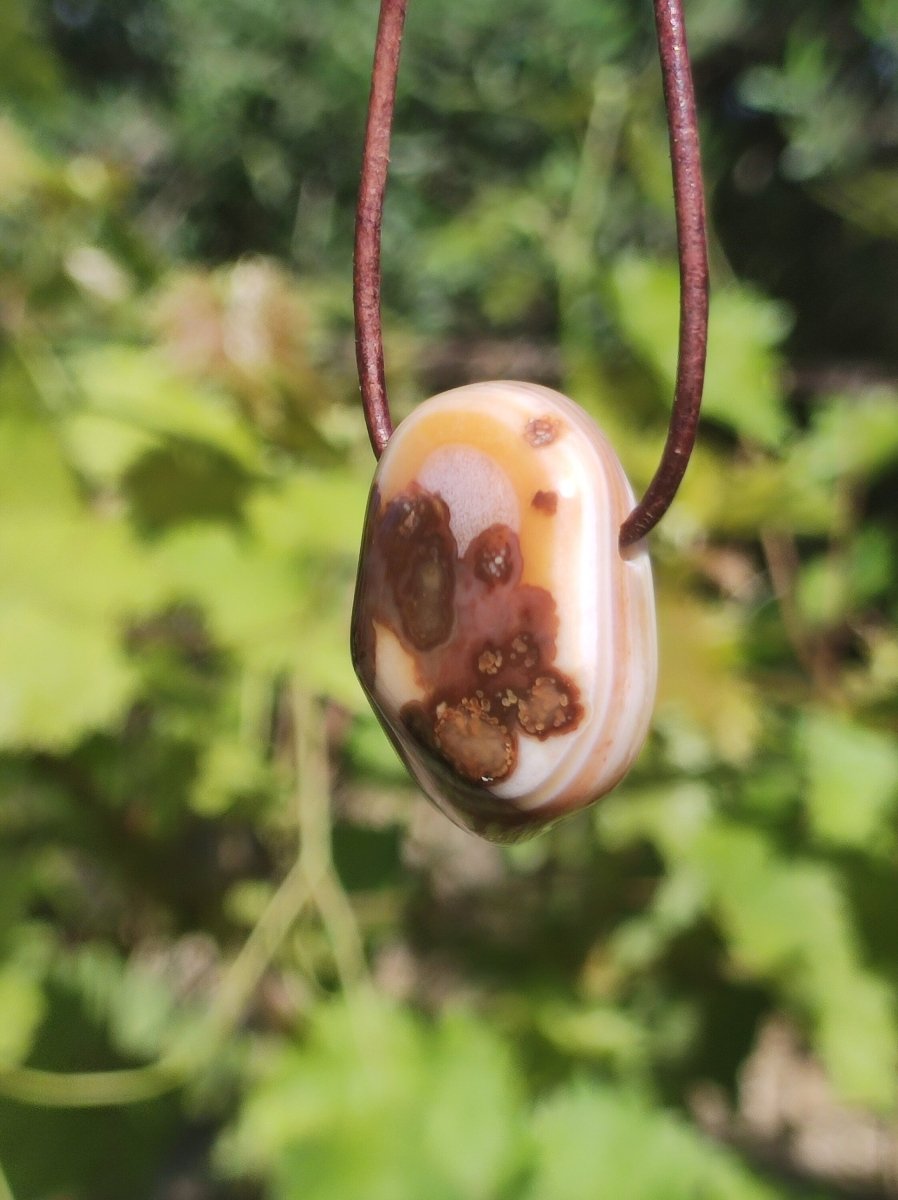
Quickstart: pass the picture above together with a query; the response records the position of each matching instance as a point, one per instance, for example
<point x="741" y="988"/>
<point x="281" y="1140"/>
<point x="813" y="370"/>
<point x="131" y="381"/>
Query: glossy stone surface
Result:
<point x="506" y="645"/>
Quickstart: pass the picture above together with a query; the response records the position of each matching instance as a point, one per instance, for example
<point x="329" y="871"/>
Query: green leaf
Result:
<point x="856" y="1038"/>
<point x="370" y="752"/>
<point x="104" y="447"/>
<point x="279" y="593"/>
<point x="738" y="498"/>
<point x="253" y="600"/>
<point x="58" y="679"/>
<point x="742" y="381"/>
<point x="231" y="765"/>
<point x="22" y="1006"/>
<point x="855" y="437"/>
<point x="69" y="579"/>
<point x="136" y="388"/>
<point x="596" y="1141"/>
<point x="35" y="477"/>
<point x="785" y="921"/>
<point x="313" y="512"/>
<point x="699" y="673"/>
<point x="377" y="1104"/>
<point x="600" y="1032"/>
<point x="852" y="775"/>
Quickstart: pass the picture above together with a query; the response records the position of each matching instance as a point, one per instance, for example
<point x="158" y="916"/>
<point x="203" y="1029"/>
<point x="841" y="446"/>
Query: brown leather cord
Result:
<point x="689" y="202"/>
<point x="369" y="343"/>
<point x="692" y="246"/>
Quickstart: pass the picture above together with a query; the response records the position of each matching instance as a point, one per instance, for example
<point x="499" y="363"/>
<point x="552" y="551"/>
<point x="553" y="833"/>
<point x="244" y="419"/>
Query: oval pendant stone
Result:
<point x="505" y="643"/>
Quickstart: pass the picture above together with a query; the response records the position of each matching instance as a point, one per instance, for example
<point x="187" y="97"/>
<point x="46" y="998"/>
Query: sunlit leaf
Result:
<point x="56" y="685"/>
<point x="596" y="1141"/>
<point x="377" y="1104"/>
<point x="22" y="1005"/>
<point x="19" y="164"/>
<point x="314" y="512"/>
<point x="852" y="775"/>
<point x="786" y="921"/>
<point x="741" y="384"/>
<point x="69" y="581"/>
<point x="738" y="499"/>
<point x="602" y="1032"/>
<point x="700" y="674"/>
<point x="135" y="386"/>
<point x="856" y="438"/>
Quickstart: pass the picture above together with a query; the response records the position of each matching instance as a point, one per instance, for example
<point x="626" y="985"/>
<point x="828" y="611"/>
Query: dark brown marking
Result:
<point x="545" y="502"/>
<point x="493" y="554"/>
<point x="424" y="597"/>
<point x="542" y="431"/>
<point x="476" y="744"/>
<point x="550" y="706"/>
<point x="419" y="722"/>
<point x="523" y="651"/>
<point x="421" y="556"/>
<point x="482" y="644"/>
<point x="413" y="515"/>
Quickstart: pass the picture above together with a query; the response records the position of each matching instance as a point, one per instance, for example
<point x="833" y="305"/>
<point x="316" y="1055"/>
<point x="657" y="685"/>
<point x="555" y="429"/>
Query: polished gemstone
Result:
<point x="505" y="642"/>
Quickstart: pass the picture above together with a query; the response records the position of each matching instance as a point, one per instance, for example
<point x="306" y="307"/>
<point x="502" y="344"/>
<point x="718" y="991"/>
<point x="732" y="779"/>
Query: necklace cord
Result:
<point x="689" y="203"/>
<point x="692" y="250"/>
<point x="369" y="344"/>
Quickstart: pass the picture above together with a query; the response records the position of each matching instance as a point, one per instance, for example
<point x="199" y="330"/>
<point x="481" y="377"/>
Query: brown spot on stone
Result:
<point x="419" y="722"/>
<point x="550" y="707"/>
<point x="542" y="431"/>
<point x="494" y="554"/>
<point x="424" y="598"/>
<point x="481" y="642"/>
<point x="545" y="502"/>
<point x="413" y="515"/>
<point x="489" y="661"/>
<point x="475" y="744"/>
<point x="421" y="556"/>
<point x="523" y="651"/>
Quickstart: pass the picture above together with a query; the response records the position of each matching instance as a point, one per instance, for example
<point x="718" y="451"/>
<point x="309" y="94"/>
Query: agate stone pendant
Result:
<point x="505" y="642"/>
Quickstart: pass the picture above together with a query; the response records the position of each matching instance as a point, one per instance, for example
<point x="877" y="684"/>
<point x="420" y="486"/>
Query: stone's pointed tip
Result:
<point x="505" y="644"/>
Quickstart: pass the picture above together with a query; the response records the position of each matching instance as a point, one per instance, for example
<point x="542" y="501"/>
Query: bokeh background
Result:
<point x="239" y="956"/>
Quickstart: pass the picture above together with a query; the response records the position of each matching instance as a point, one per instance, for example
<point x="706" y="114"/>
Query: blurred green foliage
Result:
<point x="238" y="956"/>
